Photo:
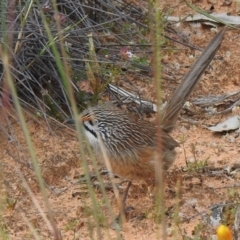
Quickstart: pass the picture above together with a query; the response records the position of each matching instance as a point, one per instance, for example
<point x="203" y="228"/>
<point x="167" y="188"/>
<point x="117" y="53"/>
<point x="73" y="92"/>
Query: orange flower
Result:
<point x="224" y="233"/>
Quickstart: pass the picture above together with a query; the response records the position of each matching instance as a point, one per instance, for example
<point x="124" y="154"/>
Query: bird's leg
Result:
<point x="126" y="195"/>
<point x="123" y="210"/>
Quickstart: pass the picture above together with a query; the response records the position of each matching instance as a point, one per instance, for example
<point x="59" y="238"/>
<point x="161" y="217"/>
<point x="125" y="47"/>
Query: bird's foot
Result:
<point x="125" y="216"/>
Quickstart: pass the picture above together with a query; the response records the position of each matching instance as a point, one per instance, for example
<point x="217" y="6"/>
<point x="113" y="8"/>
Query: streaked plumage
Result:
<point x="130" y="145"/>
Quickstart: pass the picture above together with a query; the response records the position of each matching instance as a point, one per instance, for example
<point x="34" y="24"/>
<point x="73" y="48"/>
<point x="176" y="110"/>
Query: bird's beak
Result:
<point x="79" y="119"/>
<point x="70" y="121"/>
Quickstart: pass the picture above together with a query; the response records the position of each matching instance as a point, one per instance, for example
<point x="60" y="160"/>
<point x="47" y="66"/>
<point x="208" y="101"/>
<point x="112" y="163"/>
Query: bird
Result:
<point x="131" y="144"/>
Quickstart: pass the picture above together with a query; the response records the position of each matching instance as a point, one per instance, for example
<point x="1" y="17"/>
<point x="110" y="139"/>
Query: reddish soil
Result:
<point x="189" y="192"/>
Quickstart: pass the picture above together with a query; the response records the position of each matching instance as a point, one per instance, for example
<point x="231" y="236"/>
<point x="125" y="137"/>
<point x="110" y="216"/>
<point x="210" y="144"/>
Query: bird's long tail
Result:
<point x="171" y="112"/>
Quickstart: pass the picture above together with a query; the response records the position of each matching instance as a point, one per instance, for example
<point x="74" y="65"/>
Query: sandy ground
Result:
<point x="190" y="190"/>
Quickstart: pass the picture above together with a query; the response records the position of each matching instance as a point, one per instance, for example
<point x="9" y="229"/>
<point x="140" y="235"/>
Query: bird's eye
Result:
<point x="91" y="122"/>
